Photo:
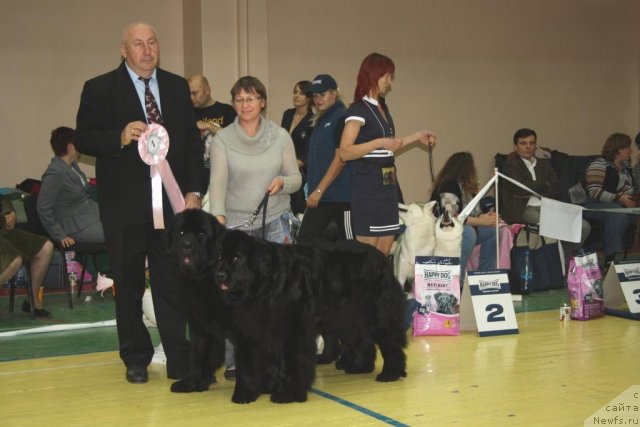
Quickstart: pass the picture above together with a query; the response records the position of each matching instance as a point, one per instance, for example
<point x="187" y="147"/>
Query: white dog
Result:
<point x="448" y="236"/>
<point x="418" y="239"/>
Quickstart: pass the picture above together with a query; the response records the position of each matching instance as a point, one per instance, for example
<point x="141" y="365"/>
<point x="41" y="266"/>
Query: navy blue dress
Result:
<point x="374" y="194"/>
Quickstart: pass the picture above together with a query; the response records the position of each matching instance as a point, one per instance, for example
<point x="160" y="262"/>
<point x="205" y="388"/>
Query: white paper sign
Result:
<point x="562" y="221"/>
<point x="629" y="278"/>
<point x="492" y="303"/>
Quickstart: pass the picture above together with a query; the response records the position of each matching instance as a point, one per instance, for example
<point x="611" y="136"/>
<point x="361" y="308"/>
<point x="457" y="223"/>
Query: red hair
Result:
<point x="372" y="69"/>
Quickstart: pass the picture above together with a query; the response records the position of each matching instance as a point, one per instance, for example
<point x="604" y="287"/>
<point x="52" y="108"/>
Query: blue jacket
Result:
<point x="324" y="141"/>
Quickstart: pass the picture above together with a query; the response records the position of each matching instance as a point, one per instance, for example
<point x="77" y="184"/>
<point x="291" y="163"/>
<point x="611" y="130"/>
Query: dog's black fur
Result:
<point x="282" y="295"/>
<point x="192" y="238"/>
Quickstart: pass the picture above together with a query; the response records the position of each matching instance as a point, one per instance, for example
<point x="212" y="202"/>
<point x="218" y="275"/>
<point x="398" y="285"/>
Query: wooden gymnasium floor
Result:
<point x="550" y="374"/>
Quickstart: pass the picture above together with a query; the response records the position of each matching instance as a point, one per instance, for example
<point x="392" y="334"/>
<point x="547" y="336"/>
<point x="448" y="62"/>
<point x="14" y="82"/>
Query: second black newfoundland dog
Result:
<point x="282" y="295"/>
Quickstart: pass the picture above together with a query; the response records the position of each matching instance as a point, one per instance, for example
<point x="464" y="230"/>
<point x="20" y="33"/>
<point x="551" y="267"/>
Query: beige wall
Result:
<point x="49" y="49"/>
<point x="471" y="70"/>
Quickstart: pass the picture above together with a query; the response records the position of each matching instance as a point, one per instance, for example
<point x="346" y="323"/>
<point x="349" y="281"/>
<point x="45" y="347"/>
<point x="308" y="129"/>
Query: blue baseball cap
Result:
<point x="322" y="83"/>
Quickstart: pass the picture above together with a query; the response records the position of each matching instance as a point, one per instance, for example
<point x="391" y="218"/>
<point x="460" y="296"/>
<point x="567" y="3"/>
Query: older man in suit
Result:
<point x="114" y="111"/>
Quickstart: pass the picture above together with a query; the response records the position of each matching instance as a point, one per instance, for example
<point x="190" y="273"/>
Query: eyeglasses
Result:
<point x="248" y="100"/>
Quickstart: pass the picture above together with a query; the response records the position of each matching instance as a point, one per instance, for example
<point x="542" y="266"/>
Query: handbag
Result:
<point x="535" y="262"/>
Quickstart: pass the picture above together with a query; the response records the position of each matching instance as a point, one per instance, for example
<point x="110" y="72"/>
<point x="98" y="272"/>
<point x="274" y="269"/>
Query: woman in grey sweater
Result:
<point x="249" y="158"/>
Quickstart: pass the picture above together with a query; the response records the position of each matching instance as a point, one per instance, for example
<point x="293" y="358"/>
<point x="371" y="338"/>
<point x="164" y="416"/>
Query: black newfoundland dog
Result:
<point x="283" y="295"/>
<point x="192" y="237"/>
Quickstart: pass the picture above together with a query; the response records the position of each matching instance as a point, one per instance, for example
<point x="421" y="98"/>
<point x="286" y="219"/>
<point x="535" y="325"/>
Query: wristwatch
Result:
<point x="197" y="194"/>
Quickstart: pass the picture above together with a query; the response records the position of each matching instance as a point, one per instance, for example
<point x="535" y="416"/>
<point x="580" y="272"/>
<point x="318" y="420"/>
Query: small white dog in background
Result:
<point x="418" y="238"/>
<point x="448" y="233"/>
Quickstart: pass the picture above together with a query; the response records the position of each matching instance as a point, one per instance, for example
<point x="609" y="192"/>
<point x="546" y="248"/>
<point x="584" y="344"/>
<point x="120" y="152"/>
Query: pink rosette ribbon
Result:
<point x="153" y="146"/>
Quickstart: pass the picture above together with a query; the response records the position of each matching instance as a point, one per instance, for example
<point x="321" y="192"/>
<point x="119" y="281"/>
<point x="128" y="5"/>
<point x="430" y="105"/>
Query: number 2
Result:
<point x="495" y="310"/>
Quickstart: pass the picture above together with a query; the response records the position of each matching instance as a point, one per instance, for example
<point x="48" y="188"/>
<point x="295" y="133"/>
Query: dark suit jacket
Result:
<point x="514" y="199"/>
<point x="107" y="104"/>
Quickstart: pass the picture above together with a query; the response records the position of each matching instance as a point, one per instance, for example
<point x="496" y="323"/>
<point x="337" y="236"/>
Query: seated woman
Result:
<point x="455" y="186"/>
<point x="18" y="245"/>
<point x="64" y="207"/>
<point x="610" y="185"/>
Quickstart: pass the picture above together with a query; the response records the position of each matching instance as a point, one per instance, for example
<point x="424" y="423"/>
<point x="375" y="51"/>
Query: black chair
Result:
<point x="83" y="250"/>
<point x="12" y="289"/>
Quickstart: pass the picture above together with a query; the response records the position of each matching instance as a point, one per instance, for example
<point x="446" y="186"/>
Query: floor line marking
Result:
<point x="359" y="408"/>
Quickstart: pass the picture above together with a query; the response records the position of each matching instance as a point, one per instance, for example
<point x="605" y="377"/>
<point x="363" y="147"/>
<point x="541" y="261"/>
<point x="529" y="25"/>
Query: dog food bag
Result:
<point x="584" y="283"/>
<point x="437" y="290"/>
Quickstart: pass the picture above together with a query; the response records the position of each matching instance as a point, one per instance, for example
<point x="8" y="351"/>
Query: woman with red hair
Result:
<point x="369" y="140"/>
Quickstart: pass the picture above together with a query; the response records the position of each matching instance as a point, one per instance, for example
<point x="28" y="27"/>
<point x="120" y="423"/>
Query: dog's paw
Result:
<point x="351" y="367"/>
<point x="359" y="369"/>
<point x="189" y="386"/>
<point x="243" y="397"/>
<point x="387" y="377"/>
<point x="325" y="359"/>
<point x="288" y="397"/>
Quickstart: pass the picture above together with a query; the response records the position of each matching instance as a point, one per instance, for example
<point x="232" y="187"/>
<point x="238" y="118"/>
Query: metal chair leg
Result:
<point x="63" y="277"/>
<point x="84" y="261"/>
<point x="30" y="297"/>
<point x="12" y="293"/>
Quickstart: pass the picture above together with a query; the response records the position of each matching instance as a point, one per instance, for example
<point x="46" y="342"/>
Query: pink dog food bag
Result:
<point x="437" y="289"/>
<point x="585" y="287"/>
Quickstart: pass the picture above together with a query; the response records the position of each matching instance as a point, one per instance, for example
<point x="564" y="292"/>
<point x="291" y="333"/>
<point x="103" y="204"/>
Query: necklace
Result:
<point x="384" y="133"/>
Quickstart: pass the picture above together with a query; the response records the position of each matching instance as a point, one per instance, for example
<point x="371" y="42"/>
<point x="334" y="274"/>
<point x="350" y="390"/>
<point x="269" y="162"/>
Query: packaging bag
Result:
<point x="535" y="262"/>
<point x="584" y="283"/>
<point x="437" y="290"/>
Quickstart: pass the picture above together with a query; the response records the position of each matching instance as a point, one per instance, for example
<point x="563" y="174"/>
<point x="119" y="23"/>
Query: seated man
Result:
<point x="520" y="206"/>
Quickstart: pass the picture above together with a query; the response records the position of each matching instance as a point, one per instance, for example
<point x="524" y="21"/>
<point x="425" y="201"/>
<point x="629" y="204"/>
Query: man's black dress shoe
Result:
<point x="137" y="374"/>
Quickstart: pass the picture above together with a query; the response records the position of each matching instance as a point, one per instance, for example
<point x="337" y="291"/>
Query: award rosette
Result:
<point x="153" y="146"/>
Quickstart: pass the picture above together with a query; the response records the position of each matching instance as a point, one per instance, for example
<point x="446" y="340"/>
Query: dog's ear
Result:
<point x="169" y="233"/>
<point x="429" y="208"/>
<point x="435" y="210"/>
<point x="217" y="229"/>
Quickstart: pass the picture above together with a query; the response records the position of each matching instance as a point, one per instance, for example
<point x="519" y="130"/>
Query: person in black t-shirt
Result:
<point x="211" y="116"/>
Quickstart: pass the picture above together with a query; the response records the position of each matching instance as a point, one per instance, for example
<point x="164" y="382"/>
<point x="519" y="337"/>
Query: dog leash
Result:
<point x="430" y="151"/>
<point x="254" y="215"/>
